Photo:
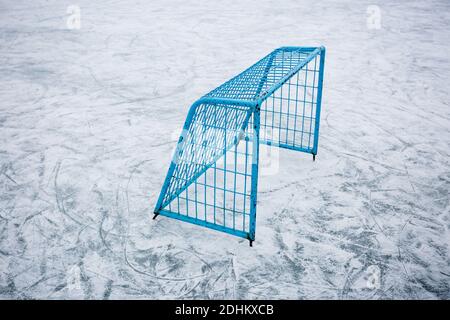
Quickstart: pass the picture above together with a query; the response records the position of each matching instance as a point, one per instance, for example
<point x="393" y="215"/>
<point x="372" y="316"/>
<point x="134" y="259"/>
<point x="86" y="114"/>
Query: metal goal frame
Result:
<point x="212" y="179"/>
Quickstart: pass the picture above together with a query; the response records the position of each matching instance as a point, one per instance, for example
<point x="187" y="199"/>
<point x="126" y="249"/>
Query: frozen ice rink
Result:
<point x="89" y="117"/>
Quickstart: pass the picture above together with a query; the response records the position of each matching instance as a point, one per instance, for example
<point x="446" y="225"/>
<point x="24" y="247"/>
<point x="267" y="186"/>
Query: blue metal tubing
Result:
<point x="255" y="163"/>
<point x="297" y="48"/>
<point x="285" y="146"/>
<point x="205" y="224"/>
<point x="204" y="100"/>
<point x="319" y="100"/>
<point x="159" y="203"/>
<point x="242" y="97"/>
<point x="234" y="102"/>
<point x="289" y="75"/>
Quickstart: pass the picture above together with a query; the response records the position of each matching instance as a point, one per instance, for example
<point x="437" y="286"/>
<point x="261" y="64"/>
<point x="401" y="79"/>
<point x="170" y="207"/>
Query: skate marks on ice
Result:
<point x="87" y="128"/>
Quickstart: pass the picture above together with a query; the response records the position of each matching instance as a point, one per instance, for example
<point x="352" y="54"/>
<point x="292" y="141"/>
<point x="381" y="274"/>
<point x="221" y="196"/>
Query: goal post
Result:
<point x="212" y="179"/>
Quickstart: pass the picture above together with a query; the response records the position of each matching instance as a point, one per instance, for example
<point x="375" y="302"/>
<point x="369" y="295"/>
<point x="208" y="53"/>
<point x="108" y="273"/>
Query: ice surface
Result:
<point x="89" y="118"/>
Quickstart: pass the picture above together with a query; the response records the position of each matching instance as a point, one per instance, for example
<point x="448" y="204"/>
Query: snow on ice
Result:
<point x="93" y="94"/>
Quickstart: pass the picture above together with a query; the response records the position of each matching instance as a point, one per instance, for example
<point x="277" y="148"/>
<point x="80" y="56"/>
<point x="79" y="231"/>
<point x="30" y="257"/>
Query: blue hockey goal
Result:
<point x="212" y="180"/>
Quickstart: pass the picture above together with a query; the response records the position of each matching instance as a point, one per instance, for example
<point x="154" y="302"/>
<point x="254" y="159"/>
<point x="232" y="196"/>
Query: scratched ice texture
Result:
<point x="89" y="119"/>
